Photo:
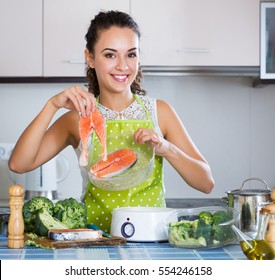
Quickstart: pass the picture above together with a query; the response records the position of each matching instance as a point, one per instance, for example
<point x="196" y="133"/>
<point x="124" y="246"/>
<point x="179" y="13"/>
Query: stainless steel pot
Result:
<point x="248" y="203"/>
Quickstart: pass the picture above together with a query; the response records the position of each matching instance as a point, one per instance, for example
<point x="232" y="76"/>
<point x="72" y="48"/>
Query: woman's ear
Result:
<point x="89" y="58"/>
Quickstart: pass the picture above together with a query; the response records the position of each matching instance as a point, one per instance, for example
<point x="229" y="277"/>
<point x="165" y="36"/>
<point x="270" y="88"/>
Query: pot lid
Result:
<point x="250" y="192"/>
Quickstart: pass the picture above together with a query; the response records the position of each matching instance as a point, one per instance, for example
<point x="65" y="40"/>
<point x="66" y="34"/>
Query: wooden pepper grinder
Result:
<point x="270" y="236"/>
<point x="16" y="222"/>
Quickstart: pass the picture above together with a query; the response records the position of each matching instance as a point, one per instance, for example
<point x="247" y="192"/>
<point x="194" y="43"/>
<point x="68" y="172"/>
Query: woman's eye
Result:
<point x="132" y="54"/>
<point x="109" y="55"/>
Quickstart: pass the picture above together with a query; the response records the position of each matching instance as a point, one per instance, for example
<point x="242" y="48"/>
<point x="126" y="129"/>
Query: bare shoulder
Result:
<point x="162" y="103"/>
<point x="164" y="107"/>
<point x="167" y="116"/>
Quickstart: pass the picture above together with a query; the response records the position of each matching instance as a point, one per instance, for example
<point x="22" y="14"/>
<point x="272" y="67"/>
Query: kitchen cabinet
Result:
<point x="65" y="25"/>
<point x="21" y="38"/>
<point x="46" y="38"/>
<point x="198" y="32"/>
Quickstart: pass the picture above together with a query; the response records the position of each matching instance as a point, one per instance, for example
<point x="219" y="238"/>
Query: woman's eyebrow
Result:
<point x="114" y="50"/>
<point x="132" y="49"/>
<point x="109" y="49"/>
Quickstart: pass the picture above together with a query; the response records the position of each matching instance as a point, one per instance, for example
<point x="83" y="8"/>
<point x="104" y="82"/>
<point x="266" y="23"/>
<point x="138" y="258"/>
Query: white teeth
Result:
<point x="120" y="77"/>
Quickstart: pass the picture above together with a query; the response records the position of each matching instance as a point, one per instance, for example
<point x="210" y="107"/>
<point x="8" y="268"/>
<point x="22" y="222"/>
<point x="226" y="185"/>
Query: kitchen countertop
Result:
<point x="129" y="251"/>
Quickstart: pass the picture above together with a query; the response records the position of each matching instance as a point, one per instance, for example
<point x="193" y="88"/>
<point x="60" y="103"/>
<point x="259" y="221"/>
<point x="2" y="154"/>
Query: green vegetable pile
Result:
<point x="71" y="213"/>
<point x="204" y="231"/>
<point x="40" y="215"/>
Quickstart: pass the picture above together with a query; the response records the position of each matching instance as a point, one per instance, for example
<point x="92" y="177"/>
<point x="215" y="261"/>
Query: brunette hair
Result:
<point x="104" y="21"/>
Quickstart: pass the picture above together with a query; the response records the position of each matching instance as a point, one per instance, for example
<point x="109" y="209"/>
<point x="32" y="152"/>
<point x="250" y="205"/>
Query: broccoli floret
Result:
<point x="204" y="230"/>
<point x="181" y="234"/>
<point x="194" y="224"/>
<point x="222" y="233"/>
<point x="45" y="222"/>
<point x="31" y="208"/>
<point x="71" y="213"/>
<point x="208" y="229"/>
<point x="220" y="217"/>
<point x="183" y="228"/>
<point x="176" y="238"/>
<point x="207" y="217"/>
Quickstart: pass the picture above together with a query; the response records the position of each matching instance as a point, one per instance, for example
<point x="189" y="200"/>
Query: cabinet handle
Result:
<point x="76" y="61"/>
<point x="194" y="50"/>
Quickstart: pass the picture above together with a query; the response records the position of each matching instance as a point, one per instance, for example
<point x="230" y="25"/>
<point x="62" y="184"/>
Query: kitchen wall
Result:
<point x="231" y="123"/>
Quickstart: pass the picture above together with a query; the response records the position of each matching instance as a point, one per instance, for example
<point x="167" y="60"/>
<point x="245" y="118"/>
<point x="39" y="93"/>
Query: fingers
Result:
<point x="143" y="135"/>
<point x="83" y="101"/>
<point x="152" y="139"/>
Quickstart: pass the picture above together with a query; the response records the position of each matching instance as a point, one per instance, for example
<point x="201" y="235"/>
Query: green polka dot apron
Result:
<point x="150" y="193"/>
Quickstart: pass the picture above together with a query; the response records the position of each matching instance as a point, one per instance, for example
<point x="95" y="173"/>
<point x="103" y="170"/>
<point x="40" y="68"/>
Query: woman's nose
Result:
<point x="122" y="64"/>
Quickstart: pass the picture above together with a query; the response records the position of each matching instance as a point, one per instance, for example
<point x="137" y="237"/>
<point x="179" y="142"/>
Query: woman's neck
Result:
<point x="116" y="102"/>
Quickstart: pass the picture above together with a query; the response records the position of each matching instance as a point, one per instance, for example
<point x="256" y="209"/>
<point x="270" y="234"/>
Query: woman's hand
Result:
<point x="152" y="139"/>
<point x="75" y="98"/>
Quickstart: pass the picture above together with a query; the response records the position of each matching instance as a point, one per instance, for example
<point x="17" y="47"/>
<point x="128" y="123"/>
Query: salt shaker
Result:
<point x="16" y="222"/>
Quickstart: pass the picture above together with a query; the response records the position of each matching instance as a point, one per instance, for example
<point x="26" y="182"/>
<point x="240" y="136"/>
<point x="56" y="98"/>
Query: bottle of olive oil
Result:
<point x="258" y="248"/>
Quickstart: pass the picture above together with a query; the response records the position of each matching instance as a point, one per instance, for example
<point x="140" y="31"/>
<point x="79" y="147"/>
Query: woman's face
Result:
<point x="116" y="59"/>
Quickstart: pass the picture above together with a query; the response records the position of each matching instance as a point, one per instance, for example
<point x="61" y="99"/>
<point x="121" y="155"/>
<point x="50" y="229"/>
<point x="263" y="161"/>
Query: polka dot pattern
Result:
<point x="150" y="193"/>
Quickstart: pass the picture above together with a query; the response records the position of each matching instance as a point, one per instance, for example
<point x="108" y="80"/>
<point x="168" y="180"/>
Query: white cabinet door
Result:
<point x="65" y="26"/>
<point x="20" y="38"/>
<point x="198" y="32"/>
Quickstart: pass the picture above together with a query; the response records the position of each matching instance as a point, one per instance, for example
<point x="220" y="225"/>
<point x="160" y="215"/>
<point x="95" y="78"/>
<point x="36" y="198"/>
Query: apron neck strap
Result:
<point x="142" y="105"/>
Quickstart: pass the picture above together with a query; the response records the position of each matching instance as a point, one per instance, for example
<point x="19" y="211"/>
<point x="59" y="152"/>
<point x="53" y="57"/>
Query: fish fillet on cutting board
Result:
<point x="116" y="163"/>
<point x="74" y="234"/>
<point x="94" y="121"/>
<point x="45" y="242"/>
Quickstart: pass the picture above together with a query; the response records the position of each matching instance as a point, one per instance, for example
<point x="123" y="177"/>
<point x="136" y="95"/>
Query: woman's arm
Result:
<point x="178" y="149"/>
<point x="39" y="142"/>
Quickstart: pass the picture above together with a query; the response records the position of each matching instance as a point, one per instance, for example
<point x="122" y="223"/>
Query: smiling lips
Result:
<point x="120" y="78"/>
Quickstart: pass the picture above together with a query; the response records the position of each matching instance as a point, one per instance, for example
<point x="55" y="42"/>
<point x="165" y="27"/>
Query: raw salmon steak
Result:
<point x="74" y="234"/>
<point x="93" y="122"/>
<point x="116" y="163"/>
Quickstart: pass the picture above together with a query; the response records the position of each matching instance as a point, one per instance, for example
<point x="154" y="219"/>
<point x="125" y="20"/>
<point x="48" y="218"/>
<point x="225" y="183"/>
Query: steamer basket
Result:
<point x="131" y="177"/>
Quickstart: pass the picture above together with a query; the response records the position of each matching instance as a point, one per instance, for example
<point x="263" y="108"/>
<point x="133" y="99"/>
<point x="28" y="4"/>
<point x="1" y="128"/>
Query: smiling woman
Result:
<point x="116" y="64"/>
<point x="119" y="23"/>
<point x="114" y="88"/>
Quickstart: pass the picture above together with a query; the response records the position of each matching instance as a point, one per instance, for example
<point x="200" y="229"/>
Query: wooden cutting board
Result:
<point x="54" y="244"/>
